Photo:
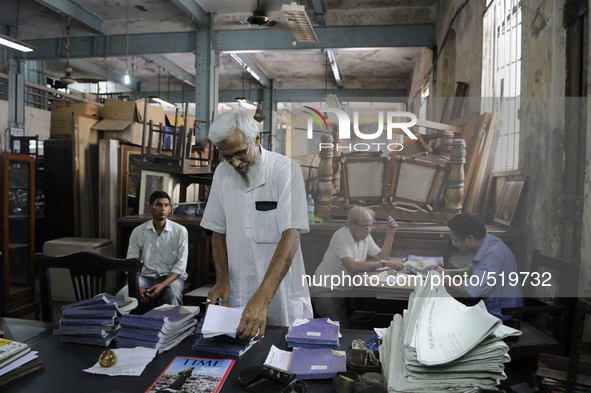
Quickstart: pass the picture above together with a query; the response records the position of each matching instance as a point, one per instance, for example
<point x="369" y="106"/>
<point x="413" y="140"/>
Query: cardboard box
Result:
<point x="124" y="121"/>
<point x="61" y="116"/>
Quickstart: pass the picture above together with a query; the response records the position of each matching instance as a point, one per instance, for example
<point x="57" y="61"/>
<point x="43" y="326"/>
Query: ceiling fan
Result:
<point x="67" y="79"/>
<point x="259" y="17"/>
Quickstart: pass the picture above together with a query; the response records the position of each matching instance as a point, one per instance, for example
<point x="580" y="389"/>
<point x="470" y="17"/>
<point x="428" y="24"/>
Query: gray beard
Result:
<point x="250" y="177"/>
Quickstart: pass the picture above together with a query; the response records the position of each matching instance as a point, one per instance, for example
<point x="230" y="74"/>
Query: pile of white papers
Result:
<point x="217" y="333"/>
<point x="441" y="344"/>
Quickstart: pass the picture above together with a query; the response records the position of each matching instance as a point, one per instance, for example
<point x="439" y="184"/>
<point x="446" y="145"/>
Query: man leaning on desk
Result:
<point x="162" y="245"/>
<point x="491" y="258"/>
<point x="256" y="209"/>
<point x="351" y="250"/>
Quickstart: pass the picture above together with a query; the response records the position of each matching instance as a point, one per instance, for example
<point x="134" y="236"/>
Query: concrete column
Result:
<point x="206" y="63"/>
<point x="16" y="86"/>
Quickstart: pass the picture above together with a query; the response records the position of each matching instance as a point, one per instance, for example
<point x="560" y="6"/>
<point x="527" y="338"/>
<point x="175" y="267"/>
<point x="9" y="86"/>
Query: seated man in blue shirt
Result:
<point x="484" y="277"/>
<point x="163" y="247"/>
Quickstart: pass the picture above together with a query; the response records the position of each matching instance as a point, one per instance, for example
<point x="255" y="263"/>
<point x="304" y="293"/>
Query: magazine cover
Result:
<point x="192" y="375"/>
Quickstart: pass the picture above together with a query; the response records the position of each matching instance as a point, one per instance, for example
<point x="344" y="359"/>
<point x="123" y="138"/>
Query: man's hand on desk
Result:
<point x="394" y="263"/>
<point x="254" y="319"/>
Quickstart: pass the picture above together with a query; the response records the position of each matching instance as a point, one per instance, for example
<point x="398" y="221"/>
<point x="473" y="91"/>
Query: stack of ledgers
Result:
<point x="316" y="345"/>
<point x="313" y="333"/>
<point x="16" y="360"/>
<point x="161" y="328"/>
<point x="217" y="332"/>
<point x="443" y="345"/>
<point x="94" y="321"/>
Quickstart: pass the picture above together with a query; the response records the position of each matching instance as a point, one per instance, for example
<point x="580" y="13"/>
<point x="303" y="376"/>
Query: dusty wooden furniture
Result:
<point x="17" y="234"/>
<point x="88" y="273"/>
<point x="577" y="345"/>
<point x="543" y="323"/>
<point x="421" y="176"/>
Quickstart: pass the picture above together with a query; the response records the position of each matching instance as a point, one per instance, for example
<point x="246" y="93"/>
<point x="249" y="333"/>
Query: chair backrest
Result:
<point x="88" y="271"/>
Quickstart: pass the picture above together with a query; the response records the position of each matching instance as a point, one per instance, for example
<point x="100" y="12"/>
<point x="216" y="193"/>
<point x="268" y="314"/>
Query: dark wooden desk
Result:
<point x="64" y="363"/>
<point x="422" y="238"/>
<point x="199" y="246"/>
<point x="25" y="330"/>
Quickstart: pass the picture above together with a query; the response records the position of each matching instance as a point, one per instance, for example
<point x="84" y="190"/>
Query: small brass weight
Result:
<point x="107" y="358"/>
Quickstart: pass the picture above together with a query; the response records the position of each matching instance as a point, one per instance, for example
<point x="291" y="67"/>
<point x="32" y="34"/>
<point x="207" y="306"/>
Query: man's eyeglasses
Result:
<point x="454" y="243"/>
<point x="365" y="227"/>
<point x="239" y="155"/>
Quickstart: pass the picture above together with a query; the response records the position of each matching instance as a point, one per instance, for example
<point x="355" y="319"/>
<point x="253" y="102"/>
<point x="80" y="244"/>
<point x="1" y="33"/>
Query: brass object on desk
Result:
<point x="107" y="358"/>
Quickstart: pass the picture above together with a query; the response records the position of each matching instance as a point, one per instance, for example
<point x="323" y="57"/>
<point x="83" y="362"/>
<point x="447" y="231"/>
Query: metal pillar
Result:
<point x="205" y="80"/>
<point x="269" y="123"/>
<point x="16" y="86"/>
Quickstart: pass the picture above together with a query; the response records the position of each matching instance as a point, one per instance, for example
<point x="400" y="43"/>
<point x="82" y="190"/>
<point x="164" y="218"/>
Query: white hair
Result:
<point x="226" y="123"/>
<point x="358" y="212"/>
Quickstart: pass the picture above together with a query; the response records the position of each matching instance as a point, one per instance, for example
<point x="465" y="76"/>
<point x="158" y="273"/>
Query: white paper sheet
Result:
<point x="130" y="362"/>
<point x="19" y="362"/>
<point x="221" y="320"/>
<point x="278" y="359"/>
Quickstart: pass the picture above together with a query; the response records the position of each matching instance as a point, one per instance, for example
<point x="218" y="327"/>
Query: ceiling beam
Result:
<point x="248" y="40"/>
<point x="299" y="95"/>
<point x="192" y="9"/>
<point x="171" y="67"/>
<point x="68" y="8"/>
<point x="109" y="75"/>
<point x="319" y="10"/>
<point x="252" y="68"/>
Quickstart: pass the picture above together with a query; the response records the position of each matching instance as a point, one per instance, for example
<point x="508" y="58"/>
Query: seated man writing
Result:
<point x="162" y="245"/>
<point x="351" y="250"/>
<point x="491" y="258"/>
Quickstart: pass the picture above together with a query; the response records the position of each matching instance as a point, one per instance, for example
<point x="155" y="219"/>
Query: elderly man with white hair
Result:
<point x="351" y="250"/>
<point x="256" y="210"/>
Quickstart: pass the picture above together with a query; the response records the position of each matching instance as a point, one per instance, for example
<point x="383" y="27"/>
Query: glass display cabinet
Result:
<point x="17" y="234"/>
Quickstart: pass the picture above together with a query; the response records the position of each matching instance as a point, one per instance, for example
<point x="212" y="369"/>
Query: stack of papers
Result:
<point x="16" y="360"/>
<point x="313" y="333"/>
<point x="441" y="344"/>
<point x="217" y="332"/>
<point x="162" y="328"/>
<point x="418" y="264"/>
<point x="94" y="321"/>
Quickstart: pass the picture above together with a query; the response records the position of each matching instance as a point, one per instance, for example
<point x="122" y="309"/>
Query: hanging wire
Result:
<point x="127" y="35"/>
<point x="158" y="81"/>
<point x="168" y="94"/>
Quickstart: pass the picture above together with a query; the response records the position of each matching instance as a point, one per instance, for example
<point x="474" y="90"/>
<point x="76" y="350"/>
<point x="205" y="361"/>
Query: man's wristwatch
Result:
<point x="383" y="263"/>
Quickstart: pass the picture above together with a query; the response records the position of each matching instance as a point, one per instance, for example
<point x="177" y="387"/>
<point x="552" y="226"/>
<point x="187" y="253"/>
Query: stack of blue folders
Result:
<point x="313" y="333"/>
<point x="222" y="344"/>
<point x="162" y="328"/>
<point x="94" y="321"/>
<point x="315" y="344"/>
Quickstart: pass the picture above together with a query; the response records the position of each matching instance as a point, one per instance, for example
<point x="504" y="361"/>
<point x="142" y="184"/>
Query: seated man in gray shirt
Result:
<point x="163" y="247"/>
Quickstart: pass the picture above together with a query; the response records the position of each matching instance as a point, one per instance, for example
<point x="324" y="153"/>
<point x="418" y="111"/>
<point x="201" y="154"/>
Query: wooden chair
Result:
<point x="543" y="323"/>
<point x="88" y="272"/>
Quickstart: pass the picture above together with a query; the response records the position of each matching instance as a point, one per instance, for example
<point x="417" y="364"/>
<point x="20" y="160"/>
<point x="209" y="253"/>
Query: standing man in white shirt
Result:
<point x="256" y="210"/>
<point x="162" y="245"/>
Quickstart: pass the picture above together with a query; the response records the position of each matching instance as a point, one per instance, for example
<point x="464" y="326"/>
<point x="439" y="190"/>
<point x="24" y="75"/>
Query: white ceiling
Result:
<point x="384" y="68"/>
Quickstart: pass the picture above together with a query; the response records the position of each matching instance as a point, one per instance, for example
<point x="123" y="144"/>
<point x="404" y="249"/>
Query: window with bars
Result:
<point x="501" y="76"/>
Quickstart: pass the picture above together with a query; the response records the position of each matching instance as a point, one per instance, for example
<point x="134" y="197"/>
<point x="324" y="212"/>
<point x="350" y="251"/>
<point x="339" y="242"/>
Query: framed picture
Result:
<point x="508" y="201"/>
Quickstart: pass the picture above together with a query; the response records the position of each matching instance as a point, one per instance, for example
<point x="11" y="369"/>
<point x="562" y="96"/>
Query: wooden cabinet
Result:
<point x="17" y="234"/>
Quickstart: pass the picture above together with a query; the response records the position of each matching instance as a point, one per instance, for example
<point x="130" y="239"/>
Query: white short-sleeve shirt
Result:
<point x="343" y="245"/>
<point x="253" y="219"/>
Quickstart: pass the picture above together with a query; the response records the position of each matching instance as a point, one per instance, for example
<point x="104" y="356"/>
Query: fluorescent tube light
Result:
<point x="298" y="20"/>
<point x="16" y="44"/>
<point x="126" y="79"/>
<point x="246" y="102"/>
<point x="162" y="101"/>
